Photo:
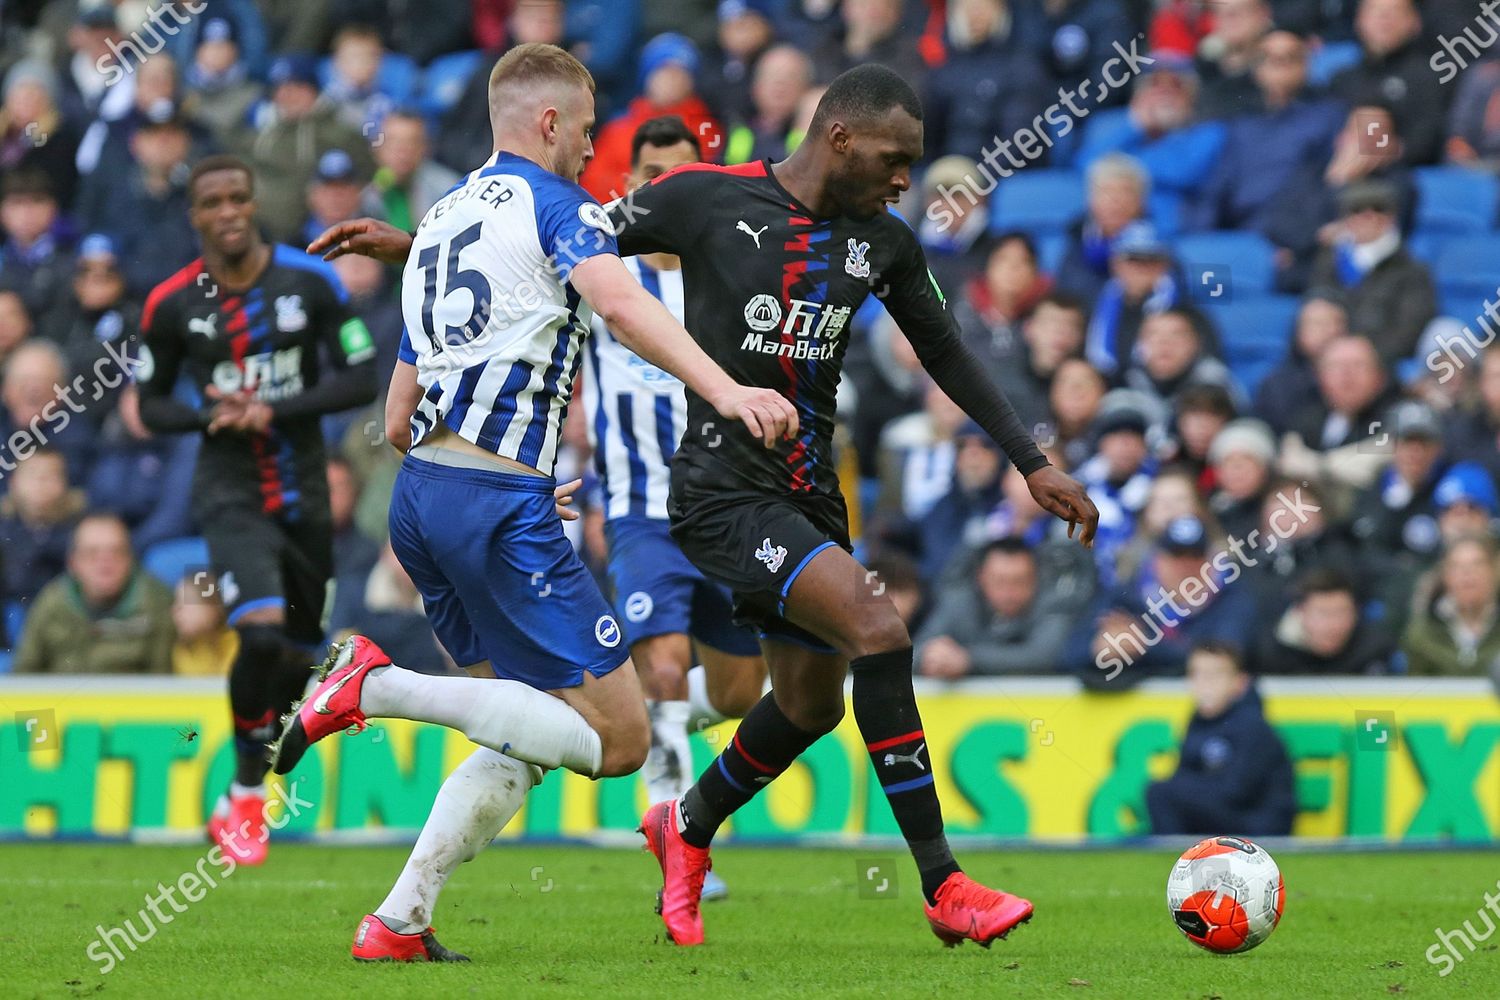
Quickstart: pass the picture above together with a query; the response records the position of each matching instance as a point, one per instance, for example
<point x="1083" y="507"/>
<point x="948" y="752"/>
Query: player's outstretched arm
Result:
<point x="912" y="296"/>
<point x="645" y="326"/>
<point x="959" y="373"/>
<point x="369" y="237"/>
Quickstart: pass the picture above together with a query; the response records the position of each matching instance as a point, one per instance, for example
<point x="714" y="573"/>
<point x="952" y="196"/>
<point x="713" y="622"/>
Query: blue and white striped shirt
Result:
<point x="492" y="324"/>
<point x="636" y="411"/>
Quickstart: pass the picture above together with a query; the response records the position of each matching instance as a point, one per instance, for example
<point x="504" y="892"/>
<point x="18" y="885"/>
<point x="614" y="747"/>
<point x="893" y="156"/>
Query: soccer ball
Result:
<point x="1226" y="894"/>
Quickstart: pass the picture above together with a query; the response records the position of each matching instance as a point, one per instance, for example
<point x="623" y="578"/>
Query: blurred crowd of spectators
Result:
<point x="1337" y="517"/>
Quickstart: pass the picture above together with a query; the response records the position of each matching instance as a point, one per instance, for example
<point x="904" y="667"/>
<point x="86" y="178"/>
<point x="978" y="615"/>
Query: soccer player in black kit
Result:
<point x="265" y="335"/>
<point x="776" y="260"/>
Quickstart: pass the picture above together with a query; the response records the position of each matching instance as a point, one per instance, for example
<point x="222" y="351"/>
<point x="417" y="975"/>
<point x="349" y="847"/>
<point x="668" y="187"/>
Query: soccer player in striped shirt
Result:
<point x="494" y="297"/>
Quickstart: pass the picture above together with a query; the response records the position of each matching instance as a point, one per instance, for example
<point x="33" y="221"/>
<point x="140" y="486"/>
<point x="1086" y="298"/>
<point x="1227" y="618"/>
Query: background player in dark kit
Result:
<point x="266" y="337"/>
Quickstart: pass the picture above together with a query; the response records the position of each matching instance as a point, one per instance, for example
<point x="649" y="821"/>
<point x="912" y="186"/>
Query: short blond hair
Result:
<point x="538" y="62"/>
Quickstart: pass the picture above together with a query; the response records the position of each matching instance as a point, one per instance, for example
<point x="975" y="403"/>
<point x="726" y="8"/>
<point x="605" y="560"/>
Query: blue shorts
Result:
<point x="658" y="592"/>
<point x="498" y="578"/>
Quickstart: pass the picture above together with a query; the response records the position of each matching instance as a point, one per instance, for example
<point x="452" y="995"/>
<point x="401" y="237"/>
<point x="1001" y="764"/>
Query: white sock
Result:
<point x="474" y="804"/>
<point x="237" y="790"/>
<point x="506" y="716"/>
<point x="669" y="763"/>
<point x="703" y="714"/>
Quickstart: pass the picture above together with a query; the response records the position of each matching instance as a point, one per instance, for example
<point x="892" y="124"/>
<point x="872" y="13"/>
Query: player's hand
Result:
<point x="944" y="659"/>
<point x="228" y="411"/>
<point x="369" y="237"/>
<point x="768" y="414"/>
<point x="238" y="411"/>
<point x="1059" y="493"/>
<point x="563" y="499"/>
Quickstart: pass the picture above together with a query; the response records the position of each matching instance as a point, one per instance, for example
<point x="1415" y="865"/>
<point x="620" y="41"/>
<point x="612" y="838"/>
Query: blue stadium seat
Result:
<point x="1165" y="210"/>
<point x="397" y="77"/>
<point x="1037" y="201"/>
<point x="1251" y="372"/>
<point x="1468" y="272"/>
<point x="169" y="560"/>
<point x="1325" y="62"/>
<point x="445" y="78"/>
<point x="1469" y="259"/>
<point x="1426" y="245"/>
<point x="1244" y="262"/>
<point x="1455" y="200"/>
<point x="1255" y="331"/>
<point x="1050" y="250"/>
<point x="1255" y="321"/>
<point x="1465" y="303"/>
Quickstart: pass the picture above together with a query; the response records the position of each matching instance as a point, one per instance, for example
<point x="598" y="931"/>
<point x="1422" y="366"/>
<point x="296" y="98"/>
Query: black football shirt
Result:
<point x="274" y="340"/>
<point x="770" y="293"/>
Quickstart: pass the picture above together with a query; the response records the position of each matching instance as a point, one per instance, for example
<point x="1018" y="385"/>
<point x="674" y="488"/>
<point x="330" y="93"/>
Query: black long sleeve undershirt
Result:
<point x="168" y="415"/>
<point x="337" y="390"/>
<point x="958" y="372"/>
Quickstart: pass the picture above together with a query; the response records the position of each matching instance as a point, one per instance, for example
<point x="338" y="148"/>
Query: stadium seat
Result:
<point x="1165" y="210"/>
<point x="1465" y="303"/>
<point x="1243" y="262"/>
<point x="397" y="77"/>
<point x="1325" y="62"/>
<point x="1469" y="260"/>
<point x="1255" y="320"/>
<point x="1468" y="273"/>
<point x="1255" y="331"/>
<point x="1050" y="250"/>
<point x="169" y="560"/>
<point x="1426" y="245"/>
<point x="1455" y="200"/>
<point x="1250" y="372"/>
<point x="444" y="80"/>
<point x="1037" y="201"/>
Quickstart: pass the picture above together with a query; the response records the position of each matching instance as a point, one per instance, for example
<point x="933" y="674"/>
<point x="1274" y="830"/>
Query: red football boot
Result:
<point x="241" y="831"/>
<point x="334" y="704"/>
<point x="966" y="910"/>
<point x="375" y="942"/>
<point x="682" y="869"/>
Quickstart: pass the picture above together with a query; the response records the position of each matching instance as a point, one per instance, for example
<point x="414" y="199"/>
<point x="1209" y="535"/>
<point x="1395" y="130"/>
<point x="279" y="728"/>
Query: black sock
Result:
<point x="293" y="672"/>
<point x="764" y="745"/>
<point x="253" y="700"/>
<point x="885" y="706"/>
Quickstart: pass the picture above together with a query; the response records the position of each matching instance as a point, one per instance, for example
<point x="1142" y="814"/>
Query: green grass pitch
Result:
<point x="563" y="921"/>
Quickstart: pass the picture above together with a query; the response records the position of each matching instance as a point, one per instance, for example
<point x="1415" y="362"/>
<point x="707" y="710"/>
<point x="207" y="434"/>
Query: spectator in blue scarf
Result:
<point x="1141" y="284"/>
<point x="1390" y="293"/>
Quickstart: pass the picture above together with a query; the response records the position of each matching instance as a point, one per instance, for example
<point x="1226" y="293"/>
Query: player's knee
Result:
<point x="661" y="671"/>
<point x="624" y="751"/>
<point x="881" y="632"/>
<point x="260" y="644"/>
<point x="734" y="698"/>
<point x="816" y="715"/>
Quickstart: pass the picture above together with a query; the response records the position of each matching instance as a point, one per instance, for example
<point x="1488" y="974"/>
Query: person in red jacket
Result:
<point x="669" y="64"/>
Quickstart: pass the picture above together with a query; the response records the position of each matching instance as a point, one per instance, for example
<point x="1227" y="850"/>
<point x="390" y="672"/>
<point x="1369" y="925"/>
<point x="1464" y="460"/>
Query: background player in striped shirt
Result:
<point x="636" y="415"/>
